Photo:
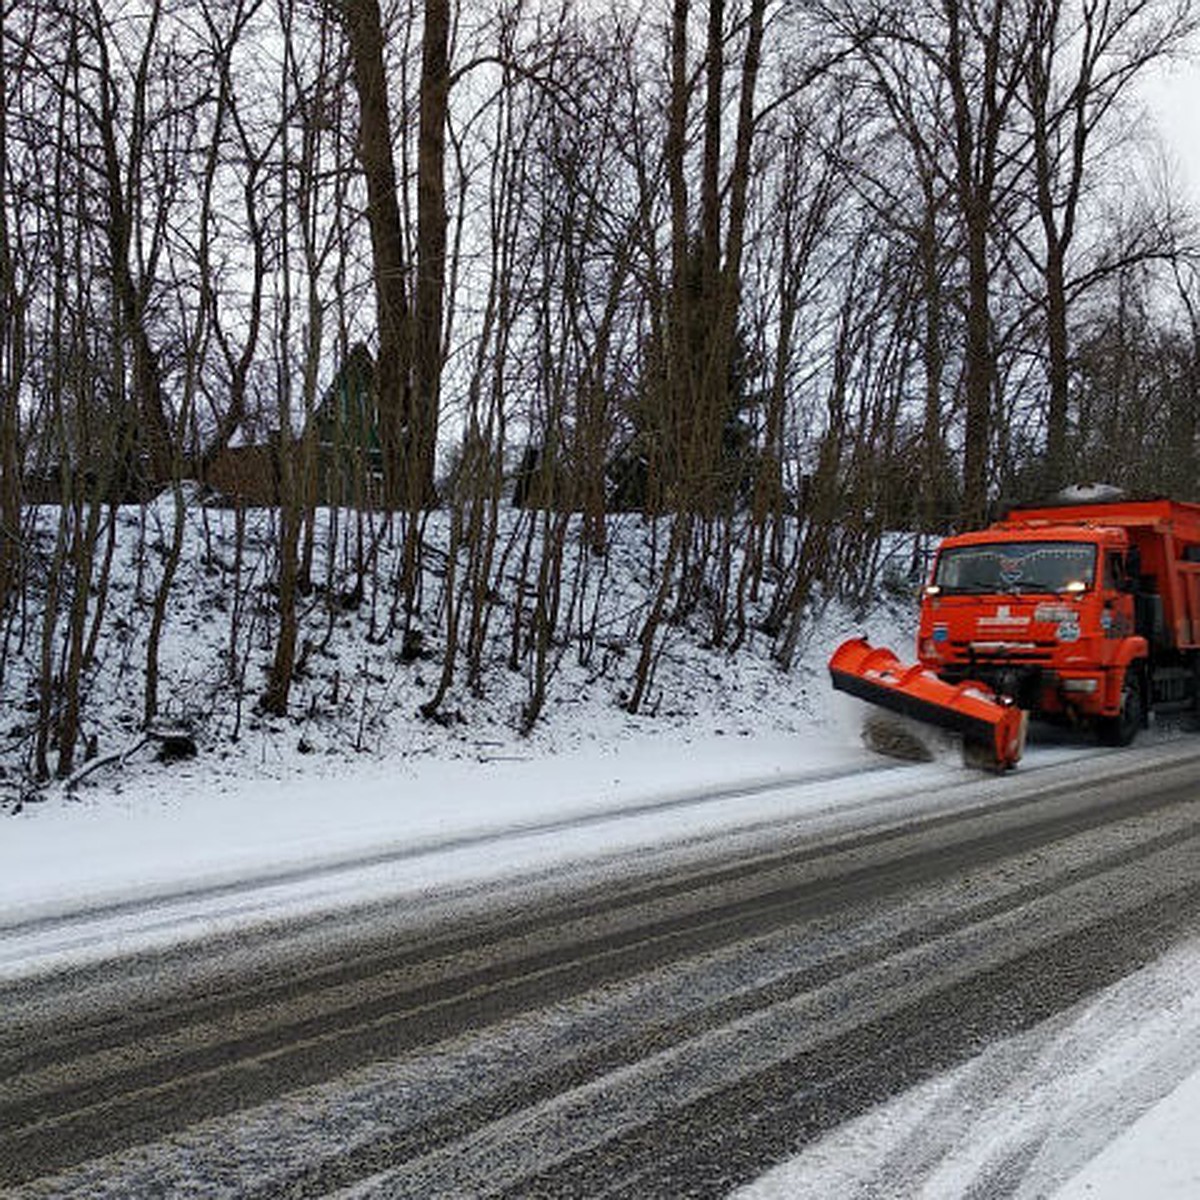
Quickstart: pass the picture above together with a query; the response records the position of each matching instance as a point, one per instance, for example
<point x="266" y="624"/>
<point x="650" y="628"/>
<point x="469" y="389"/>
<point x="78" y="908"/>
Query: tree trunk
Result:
<point x="365" y="34"/>
<point x="121" y="194"/>
<point x="933" y="457"/>
<point x="1057" y="348"/>
<point x="431" y="246"/>
<point x="12" y="347"/>
<point x="979" y="370"/>
<point x="675" y="366"/>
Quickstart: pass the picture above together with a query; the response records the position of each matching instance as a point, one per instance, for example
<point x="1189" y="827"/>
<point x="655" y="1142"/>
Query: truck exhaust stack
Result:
<point x="993" y="729"/>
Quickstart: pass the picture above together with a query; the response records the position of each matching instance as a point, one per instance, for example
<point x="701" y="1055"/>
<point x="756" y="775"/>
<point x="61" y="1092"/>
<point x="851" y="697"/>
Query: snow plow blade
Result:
<point x="992" y="729"/>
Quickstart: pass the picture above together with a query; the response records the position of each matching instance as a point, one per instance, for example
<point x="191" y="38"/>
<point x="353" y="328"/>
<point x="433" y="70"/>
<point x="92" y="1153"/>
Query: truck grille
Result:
<point x="1002" y="654"/>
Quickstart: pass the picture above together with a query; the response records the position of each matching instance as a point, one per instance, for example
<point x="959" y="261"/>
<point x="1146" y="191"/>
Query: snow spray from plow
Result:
<point x="992" y="728"/>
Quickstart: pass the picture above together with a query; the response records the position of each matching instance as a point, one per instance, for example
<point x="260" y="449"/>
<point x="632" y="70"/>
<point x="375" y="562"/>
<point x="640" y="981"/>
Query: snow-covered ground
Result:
<point x="144" y="854"/>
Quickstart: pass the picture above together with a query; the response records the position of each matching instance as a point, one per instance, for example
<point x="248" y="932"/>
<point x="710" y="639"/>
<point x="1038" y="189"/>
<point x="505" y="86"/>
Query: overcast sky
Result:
<point x="1174" y="102"/>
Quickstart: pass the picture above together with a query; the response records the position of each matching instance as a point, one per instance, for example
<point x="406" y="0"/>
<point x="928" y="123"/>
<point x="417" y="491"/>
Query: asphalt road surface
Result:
<point x="666" y="1026"/>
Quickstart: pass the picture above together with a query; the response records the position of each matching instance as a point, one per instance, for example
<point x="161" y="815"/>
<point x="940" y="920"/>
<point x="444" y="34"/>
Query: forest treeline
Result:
<point x="777" y="277"/>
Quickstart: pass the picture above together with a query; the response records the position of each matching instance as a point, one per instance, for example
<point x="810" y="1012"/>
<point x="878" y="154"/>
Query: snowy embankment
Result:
<point x="285" y="822"/>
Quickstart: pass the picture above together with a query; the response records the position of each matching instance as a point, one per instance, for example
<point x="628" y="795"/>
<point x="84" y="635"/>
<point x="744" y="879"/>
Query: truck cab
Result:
<point x="1046" y="613"/>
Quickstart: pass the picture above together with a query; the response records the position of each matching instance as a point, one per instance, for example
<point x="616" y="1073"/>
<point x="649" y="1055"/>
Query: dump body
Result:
<point x="1087" y="612"/>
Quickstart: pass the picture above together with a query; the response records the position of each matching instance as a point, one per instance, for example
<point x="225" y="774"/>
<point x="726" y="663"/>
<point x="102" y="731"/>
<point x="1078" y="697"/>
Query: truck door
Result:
<point x="1121" y="612"/>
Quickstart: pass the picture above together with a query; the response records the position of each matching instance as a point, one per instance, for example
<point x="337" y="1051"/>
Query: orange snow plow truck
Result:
<point x="1087" y="613"/>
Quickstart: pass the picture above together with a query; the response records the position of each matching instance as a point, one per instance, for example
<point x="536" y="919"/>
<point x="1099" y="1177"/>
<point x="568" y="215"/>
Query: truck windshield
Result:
<point x="1017" y="567"/>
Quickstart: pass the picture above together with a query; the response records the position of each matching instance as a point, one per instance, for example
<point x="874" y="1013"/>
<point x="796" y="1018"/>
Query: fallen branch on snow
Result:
<point x="174" y="745"/>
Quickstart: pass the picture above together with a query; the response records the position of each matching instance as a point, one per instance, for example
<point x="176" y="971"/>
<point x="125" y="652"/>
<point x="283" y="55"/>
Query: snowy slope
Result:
<point x="364" y="676"/>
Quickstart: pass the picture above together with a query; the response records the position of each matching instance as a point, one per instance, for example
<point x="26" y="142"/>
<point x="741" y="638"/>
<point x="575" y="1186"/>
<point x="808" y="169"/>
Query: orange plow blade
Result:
<point x="994" y="729"/>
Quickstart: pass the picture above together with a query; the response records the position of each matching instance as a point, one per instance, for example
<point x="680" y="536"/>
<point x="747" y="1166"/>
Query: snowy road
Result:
<point x="674" y="1020"/>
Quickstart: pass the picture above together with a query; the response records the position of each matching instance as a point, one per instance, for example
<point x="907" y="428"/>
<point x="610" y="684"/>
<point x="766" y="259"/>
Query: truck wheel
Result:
<point x="1122" y="729"/>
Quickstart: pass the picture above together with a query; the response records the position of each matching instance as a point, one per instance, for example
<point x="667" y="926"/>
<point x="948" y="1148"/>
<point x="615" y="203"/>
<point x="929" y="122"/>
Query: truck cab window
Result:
<point x="1114" y="571"/>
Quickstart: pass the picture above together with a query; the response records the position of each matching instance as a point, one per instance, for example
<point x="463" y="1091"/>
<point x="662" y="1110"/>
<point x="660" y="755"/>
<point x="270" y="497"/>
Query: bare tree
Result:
<point x="194" y="257"/>
<point x="135" y="231"/>
<point x="13" y="302"/>
<point x="300" y="183"/>
<point x="366" y="40"/>
<point x="982" y="53"/>
<point x="812" y="188"/>
<point x="431" y="247"/>
<point x="240" y="160"/>
<point x="1084" y="58"/>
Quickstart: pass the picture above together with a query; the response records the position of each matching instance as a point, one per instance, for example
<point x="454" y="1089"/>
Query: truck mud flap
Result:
<point x="993" y="729"/>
